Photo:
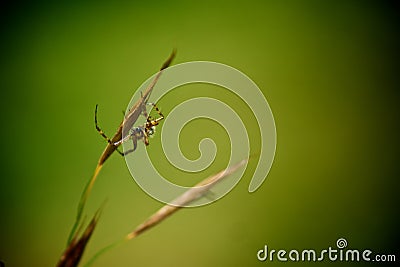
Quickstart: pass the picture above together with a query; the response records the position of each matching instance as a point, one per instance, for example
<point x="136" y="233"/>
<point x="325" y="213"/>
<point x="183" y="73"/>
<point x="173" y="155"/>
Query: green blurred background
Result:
<point x="327" y="69"/>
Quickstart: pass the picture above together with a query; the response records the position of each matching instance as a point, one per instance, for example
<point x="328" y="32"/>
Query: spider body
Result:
<point x="136" y="133"/>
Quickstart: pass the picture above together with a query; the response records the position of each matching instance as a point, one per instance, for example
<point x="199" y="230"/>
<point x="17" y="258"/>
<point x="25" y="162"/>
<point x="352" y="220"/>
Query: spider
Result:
<point x="136" y="133"/>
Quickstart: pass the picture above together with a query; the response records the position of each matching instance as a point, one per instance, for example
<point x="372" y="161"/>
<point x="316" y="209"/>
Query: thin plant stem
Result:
<point x="187" y="197"/>
<point x="127" y="123"/>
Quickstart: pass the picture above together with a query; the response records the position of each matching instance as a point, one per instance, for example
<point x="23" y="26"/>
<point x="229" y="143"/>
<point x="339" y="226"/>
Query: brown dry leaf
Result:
<point x="73" y="253"/>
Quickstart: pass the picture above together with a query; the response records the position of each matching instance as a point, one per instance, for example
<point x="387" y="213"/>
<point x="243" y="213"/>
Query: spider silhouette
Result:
<point x="136" y="133"/>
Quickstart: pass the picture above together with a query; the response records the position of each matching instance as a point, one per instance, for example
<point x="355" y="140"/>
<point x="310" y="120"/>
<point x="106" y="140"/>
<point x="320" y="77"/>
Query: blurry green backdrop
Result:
<point x="327" y="69"/>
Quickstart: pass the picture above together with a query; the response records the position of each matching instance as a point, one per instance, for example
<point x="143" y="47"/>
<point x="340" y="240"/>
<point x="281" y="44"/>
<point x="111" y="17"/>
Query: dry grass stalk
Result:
<point x="189" y="196"/>
<point x="76" y="246"/>
<point x="127" y="123"/>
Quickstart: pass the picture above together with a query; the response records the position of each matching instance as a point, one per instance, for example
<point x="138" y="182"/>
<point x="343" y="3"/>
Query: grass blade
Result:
<point x="127" y="123"/>
<point x="73" y="253"/>
<point x="190" y="195"/>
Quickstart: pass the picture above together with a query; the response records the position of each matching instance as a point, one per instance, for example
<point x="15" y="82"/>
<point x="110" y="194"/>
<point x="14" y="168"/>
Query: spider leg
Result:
<point x="122" y="140"/>
<point x="143" y="134"/>
<point x="145" y="138"/>
<point x="134" y="142"/>
<point x="99" y="129"/>
<point x="155" y="106"/>
<point x="104" y="135"/>
<point x="121" y="153"/>
<point x="127" y="152"/>
<point x="155" y="122"/>
<point x="134" y="136"/>
<point x="130" y="150"/>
